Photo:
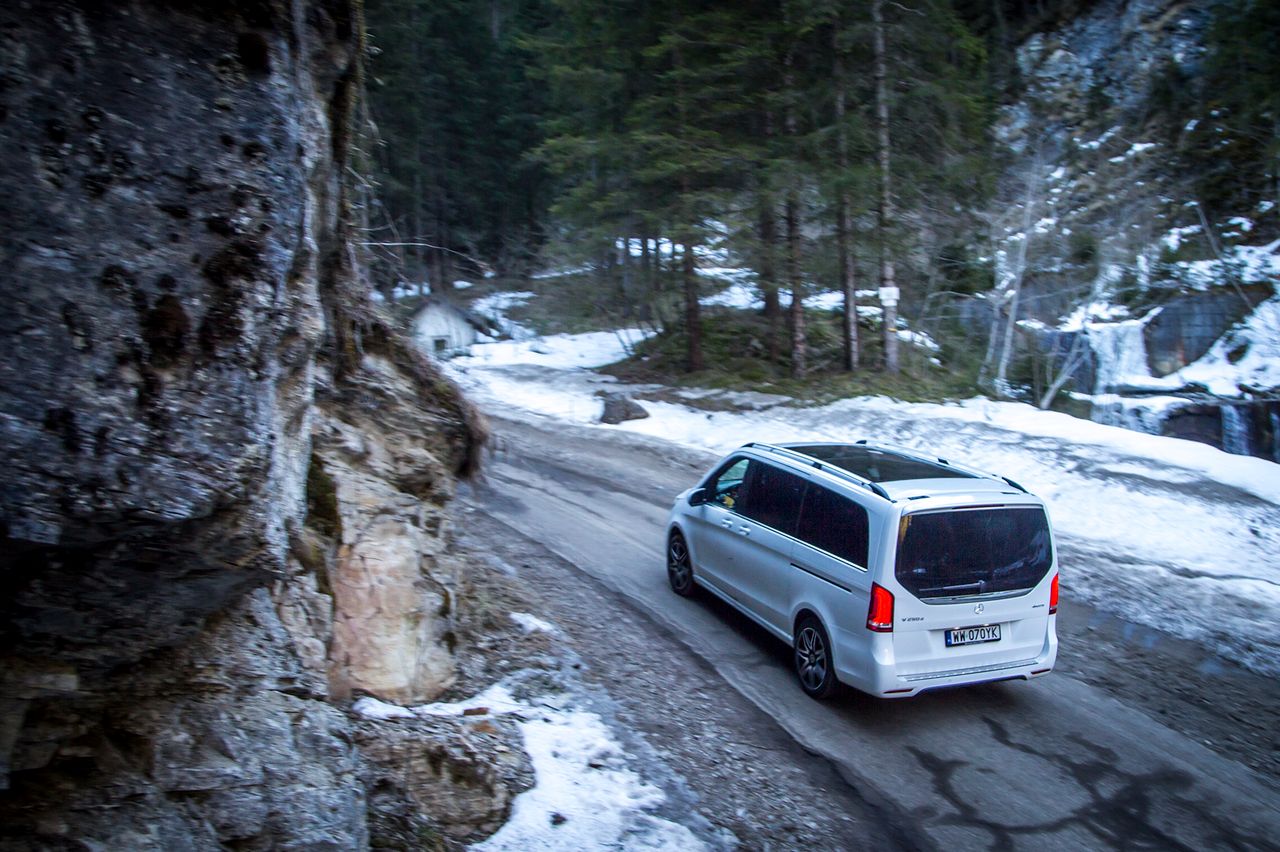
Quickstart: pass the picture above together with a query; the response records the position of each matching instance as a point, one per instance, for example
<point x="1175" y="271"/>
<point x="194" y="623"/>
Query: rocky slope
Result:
<point x="1112" y="217"/>
<point x="222" y="507"/>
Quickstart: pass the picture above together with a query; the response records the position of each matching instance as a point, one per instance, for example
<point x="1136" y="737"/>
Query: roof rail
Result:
<point x="873" y="487"/>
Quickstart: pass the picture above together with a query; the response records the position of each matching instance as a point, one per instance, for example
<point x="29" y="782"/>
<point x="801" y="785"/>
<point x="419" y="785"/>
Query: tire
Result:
<point x="813" y="662"/>
<point x="679" y="566"/>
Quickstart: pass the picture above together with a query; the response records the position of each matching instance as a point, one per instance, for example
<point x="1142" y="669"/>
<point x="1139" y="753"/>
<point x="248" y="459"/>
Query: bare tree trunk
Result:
<point x="437" y="255"/>
<point x="791" y="213"/>
<point x="885" y="217"/>
<point x="1019" y="271"/>
<point x="849" y="327"/>
<point x="692" y="310"/>
<point x="988" y="360"/>
<point x="1006" y="346"/>
<point x="1216" y="248"/>
<point x="646" y="268"/>
<point x="646" y="274"/>
<point x="419" y="211"/>
<point x="421" y="271"/>
<point x="1075" y="357"/>
<point x="768" y="230"/>
<point x="768" y="255"/>
<point x="796" y="315"/>
<point x="443" y="256"/>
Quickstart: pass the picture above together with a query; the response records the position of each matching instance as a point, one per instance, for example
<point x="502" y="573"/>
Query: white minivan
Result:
<point x="885" y="570"/>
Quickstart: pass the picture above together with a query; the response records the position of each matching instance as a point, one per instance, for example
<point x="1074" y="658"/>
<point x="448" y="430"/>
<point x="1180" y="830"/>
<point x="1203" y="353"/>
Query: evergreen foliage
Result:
<point x="1236" y="144"/>
<point x="456" y="111"/>
<point x="822" y="144"/>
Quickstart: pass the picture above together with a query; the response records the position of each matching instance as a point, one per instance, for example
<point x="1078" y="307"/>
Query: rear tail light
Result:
<point x="880" y="613"/>
<point x="1053" y="595"/>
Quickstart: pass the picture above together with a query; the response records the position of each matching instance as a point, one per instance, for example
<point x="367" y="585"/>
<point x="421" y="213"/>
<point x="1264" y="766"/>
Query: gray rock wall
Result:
<point x="164" y="199"/>
<point x="182" y="313"/>
<point x="1101" y="156"/>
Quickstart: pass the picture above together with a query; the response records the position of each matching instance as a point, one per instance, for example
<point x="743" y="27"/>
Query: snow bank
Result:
<point x="562" y="351"/>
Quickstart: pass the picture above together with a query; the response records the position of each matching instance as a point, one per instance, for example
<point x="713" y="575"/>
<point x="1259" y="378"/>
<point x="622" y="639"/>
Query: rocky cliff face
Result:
<point x="190" y="579"/>
<point x="1105" y="217"/>
<point x="1096" y="175"/>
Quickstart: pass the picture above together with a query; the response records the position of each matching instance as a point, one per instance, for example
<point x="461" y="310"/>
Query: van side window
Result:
<point x="773" y="497"/>
<point x="835" y="524"/>
<point x="726" y="487"/>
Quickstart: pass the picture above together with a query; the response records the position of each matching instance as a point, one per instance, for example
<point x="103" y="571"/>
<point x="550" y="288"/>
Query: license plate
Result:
<point x="973" y="635"/>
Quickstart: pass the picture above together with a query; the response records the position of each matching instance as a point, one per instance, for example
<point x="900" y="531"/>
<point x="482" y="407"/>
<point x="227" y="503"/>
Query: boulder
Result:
<point x="619" y="407"/>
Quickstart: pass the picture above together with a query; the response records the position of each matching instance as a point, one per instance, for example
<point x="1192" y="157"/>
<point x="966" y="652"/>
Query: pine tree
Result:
<point x="456" y="114"/>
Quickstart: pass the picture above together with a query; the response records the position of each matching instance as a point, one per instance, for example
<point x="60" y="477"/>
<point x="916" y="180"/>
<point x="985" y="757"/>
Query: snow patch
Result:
<point x="585" y="795"/>
<point x="371" y="708"/>
<point x="532" y="624"/>
<point x="1245" y="264"/>
<point x="1100" y="141"/>
<point x="495" y="307"/>
<point x="496" y="700"/>
<point x="1098" y="311"/>
<point x="562" y="351"/>
<point x="742" y="296"/>
<point x="402" y="290"/>
<point x="738" y="295"/>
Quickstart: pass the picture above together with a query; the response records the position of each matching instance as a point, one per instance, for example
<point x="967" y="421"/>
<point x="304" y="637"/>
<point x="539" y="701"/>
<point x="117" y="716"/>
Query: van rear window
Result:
<point x="973" y="551"/>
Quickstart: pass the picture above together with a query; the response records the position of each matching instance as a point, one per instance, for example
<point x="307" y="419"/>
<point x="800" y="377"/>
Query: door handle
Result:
<point x="727" y="523"/>
<point x="744" y="529"/>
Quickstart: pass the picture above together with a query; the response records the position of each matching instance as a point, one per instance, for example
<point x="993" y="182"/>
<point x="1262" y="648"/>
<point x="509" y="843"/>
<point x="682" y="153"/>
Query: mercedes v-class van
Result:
<point x="885" y="570"/>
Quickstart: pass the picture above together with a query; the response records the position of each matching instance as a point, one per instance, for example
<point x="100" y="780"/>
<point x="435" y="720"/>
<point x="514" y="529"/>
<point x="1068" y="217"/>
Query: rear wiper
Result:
<point x="957" y="589"/>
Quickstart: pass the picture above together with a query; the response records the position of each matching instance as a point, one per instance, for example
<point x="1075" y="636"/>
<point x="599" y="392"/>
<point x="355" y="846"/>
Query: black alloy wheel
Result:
<point x="679" y="566"/>
<point x="814" y="665"/>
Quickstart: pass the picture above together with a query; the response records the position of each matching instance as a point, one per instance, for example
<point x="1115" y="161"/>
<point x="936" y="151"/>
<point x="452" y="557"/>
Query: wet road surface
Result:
<point x="1065" y="761"/>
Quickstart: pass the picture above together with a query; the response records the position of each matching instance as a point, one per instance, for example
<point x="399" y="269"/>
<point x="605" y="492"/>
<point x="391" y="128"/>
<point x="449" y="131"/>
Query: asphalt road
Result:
<point x="1062" y="762"/>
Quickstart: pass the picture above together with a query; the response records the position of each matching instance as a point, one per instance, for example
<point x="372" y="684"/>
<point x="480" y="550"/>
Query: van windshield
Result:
<point x="967" y="552"/>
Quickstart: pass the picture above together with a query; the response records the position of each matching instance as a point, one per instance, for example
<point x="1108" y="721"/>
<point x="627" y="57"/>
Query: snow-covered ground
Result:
<point x="494" y="307"/>
<point x="587" y="794"/>
<point x="1170" y="533"/>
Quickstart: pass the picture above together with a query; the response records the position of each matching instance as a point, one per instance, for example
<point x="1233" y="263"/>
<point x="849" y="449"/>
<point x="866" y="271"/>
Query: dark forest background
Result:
<point x="826" y="145"/>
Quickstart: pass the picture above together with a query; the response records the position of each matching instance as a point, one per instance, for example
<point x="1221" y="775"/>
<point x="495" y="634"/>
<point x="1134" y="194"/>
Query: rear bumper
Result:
<point x="884" y="680"/>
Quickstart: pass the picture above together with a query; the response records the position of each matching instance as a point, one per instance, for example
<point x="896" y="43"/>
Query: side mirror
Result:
<point x="697" y="496"/>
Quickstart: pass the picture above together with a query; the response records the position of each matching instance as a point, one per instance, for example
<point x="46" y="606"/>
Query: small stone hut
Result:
<point x="443" y="330"/>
